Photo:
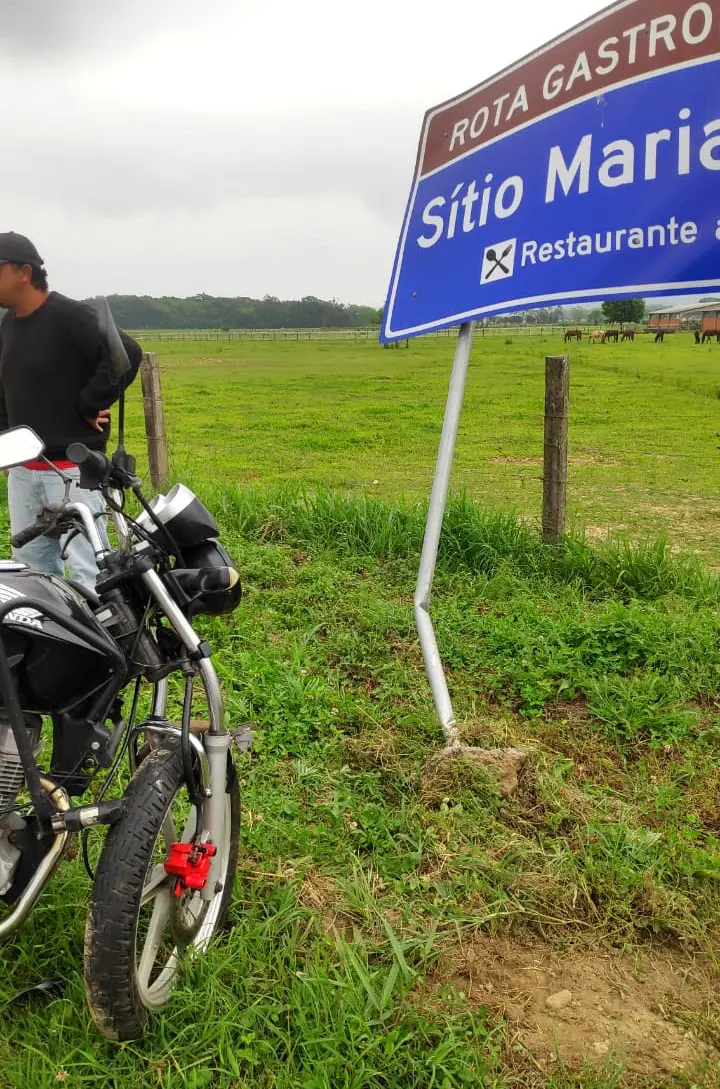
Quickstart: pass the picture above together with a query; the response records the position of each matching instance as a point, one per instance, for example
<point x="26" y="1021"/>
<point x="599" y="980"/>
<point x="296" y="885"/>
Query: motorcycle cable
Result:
<point x="185" y="748"/>
<point x="174" y="547"/>
<point x="24" y="810"/>
<point x="141" y="629"/>
<point x="145" y="534"/>
<point x="120" y="756"/>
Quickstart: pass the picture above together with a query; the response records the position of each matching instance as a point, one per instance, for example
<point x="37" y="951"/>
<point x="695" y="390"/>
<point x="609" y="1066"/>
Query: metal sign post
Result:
<point x="433" y="529"/>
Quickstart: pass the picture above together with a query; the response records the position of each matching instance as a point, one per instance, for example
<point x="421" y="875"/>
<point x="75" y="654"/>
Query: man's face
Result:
<point x="13" y="282"/>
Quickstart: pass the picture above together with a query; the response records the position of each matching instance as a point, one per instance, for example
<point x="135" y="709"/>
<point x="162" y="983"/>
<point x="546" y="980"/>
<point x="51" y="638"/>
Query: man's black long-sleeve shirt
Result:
<point x="54" y="372"/>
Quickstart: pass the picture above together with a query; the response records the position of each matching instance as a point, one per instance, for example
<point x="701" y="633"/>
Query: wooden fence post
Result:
<point x="154" y="419"/>
<point x="557" y="399"/>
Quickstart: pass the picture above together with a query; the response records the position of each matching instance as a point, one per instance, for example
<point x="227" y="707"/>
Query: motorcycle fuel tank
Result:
<point x="53" y="667"/>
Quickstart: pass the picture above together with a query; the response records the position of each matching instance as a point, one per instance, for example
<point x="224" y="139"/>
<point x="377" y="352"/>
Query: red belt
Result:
<point x="44" y="465"/>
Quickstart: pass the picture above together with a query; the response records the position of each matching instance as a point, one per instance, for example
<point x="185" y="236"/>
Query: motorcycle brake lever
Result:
<point x="71" y="537"/>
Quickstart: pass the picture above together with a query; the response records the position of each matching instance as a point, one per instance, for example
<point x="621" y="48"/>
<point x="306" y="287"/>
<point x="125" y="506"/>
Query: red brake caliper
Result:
<point x="190" y="863"/>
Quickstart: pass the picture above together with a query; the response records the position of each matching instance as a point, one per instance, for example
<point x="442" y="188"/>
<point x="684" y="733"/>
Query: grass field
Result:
<point x="399" y="921"/>
<point x="644" y="449"/>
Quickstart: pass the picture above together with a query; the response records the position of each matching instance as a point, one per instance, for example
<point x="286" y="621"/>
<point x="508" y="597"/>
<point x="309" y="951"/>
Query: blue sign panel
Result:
<point x="595" y="175"/>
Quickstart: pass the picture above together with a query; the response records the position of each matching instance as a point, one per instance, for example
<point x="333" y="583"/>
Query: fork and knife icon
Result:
<point x="498" y="262"/>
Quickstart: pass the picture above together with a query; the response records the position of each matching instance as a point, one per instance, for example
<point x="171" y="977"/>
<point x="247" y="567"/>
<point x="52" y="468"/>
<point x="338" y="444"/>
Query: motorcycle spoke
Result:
<point x="156" y="878"/>
<point x="154" y="936"/>
<point x="168" y="830"/>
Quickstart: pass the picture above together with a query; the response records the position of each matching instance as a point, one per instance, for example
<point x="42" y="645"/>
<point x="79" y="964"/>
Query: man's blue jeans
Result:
<point x="28" y="491"/>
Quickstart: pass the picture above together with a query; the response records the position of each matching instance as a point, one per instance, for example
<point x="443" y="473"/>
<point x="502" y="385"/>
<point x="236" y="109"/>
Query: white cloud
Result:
<point x="62" y="29"/>
<point x="287" y="246"/>
<point x="237" y="146"/>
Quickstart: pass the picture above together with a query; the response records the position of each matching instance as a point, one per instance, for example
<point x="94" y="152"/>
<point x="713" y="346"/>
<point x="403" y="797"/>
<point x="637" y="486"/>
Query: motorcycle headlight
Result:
<point x="182" y="514"/>
<point x="210" y="580"/>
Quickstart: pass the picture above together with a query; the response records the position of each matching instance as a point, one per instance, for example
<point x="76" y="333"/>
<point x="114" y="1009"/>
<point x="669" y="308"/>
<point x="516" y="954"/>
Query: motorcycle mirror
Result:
<point x="18" y="445"/>
<point x="117" y="356"/>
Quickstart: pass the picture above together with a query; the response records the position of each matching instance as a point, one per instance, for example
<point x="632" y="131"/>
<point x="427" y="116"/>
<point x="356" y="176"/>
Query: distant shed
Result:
<point x="703" y="316"/>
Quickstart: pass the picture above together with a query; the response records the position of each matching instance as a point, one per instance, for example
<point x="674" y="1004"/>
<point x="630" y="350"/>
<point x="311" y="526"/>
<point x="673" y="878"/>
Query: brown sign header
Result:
<point x="631" y="39"/>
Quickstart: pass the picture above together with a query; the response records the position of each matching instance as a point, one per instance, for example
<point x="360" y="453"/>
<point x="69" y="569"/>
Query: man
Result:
<point x="54" y="378"/>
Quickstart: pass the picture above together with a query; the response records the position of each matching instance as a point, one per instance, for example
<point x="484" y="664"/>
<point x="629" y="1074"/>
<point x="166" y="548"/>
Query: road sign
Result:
<point x="589" y="170"/>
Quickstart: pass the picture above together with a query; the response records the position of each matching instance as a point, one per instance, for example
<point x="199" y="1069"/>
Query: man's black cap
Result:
<point x="16" y="249"/>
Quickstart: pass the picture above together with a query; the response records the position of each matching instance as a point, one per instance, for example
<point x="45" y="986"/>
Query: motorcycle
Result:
<point x="168" y="800"/>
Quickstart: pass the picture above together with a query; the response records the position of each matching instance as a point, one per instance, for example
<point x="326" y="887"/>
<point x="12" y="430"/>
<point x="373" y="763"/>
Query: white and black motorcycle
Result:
<point x="166" y="788"/>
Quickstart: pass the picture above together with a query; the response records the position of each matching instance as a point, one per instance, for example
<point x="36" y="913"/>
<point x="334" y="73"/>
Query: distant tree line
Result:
<point x="617" y="311"/>
<point x="210" y="312"/>
<point x="546" y="315"/>
<point x="554" y="315"/>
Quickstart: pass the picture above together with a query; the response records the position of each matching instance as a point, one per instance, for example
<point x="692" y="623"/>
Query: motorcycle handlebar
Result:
<point x="93" y="465"/>
<point x="38" y="528"/>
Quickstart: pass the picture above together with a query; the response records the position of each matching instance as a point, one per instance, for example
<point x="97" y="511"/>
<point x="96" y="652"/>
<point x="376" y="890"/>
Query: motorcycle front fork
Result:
<point x="213" y="746"/>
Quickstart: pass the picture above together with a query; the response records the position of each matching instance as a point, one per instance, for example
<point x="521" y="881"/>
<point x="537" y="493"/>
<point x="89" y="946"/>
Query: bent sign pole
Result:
<point x="433" y="529"/>
<point x="587" y="171"/>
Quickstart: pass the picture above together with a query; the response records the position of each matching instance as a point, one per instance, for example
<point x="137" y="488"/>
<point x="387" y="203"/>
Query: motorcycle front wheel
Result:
<point x="137" y="931"/>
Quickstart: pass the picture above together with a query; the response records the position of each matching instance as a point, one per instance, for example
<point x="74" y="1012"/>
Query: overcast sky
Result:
<point x="236" y="147"/>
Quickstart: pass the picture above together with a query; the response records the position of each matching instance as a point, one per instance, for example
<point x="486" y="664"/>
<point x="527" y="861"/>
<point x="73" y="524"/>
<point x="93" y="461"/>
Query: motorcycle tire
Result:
<point x="120" y="988"/>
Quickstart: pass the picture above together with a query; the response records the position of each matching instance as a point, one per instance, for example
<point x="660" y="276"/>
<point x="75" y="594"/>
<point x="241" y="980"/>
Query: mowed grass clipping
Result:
<point x="368" y="870"/>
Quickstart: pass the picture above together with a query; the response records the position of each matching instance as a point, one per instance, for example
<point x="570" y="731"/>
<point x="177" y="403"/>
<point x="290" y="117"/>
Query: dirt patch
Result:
<point x="591" y="458"/>
<point x="690" y="506"/>
<point x="703" y="799"/>
<point x="379" y="748"/>
<point x="665" y="511"/>
<point x="593" y="534"/>
<point x="570" y="711"/>
<point x="320" y="893"/>
<point x="645" y="1012"/>
<point x="530" y="462"/>
<point x="439" y="775"/>
<point x="564" y="731"/>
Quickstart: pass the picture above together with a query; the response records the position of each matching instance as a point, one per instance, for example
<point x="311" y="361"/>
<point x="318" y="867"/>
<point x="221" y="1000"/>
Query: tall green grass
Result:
<point x="474" y="539"/>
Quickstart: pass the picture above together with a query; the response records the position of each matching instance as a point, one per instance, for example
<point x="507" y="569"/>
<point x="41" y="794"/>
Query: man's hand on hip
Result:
<point x="100" y="421"/>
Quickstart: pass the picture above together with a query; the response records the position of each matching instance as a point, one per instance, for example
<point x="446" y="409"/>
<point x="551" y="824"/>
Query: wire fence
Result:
<point x="357" y="335"/>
